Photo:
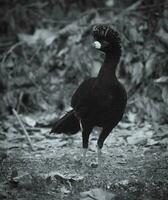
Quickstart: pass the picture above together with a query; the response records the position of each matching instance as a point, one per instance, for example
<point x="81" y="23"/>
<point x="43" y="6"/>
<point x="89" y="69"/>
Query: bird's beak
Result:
<point x="97" y="45"/>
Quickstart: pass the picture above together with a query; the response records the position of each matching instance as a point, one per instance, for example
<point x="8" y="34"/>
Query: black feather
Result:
<point x="105" y="32"/>
<point x="68" y="124"/>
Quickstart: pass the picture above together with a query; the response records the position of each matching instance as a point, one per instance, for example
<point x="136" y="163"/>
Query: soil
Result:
<point x="135" y="163"/>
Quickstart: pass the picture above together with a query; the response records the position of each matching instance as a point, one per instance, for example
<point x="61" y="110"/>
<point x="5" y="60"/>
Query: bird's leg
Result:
<point x="99" y="154"/>
<point x="80" y="124"/>
<point x="85" y="137"/>
<point x="84" y="156"/>
<point x="103" y="135"/>
<point x="84" y="149"/>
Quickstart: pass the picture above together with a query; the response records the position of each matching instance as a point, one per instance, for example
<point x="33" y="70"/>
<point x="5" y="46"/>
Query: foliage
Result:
<point x="49" y="48"/>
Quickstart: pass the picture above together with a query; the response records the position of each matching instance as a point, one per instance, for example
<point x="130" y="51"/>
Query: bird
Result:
<point x="98" y="101"/>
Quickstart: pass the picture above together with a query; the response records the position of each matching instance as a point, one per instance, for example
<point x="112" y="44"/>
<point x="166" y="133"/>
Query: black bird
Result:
<point x="98" y="101"/>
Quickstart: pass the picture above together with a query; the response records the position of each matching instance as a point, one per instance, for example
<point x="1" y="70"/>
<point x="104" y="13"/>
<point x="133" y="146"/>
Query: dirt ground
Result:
<point x="135" y="163"/>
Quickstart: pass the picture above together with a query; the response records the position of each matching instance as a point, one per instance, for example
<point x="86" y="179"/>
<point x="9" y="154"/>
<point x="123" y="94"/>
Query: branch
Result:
<point x="9" y="52"/>
<point x="23" y="128"/>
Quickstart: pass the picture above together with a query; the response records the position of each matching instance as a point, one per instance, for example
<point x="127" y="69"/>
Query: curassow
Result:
<point x="98" y="101"/>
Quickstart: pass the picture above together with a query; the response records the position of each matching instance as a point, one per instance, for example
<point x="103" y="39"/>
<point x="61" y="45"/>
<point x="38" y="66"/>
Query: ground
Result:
<point x="135" y="163"/>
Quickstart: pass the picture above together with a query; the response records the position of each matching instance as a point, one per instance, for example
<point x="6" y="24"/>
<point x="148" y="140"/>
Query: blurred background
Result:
<point x="45" y="53"/>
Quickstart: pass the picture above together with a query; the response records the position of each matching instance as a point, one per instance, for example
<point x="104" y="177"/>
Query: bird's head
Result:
<point x="106" y="39"/>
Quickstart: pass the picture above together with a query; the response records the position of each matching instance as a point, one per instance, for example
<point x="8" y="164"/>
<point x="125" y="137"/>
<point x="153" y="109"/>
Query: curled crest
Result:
<point x="105" y="32"/>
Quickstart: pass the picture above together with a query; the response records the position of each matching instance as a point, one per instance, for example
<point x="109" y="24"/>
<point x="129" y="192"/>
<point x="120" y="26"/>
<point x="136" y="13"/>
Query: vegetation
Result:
<point x="46" y="43"/>
<point x="45" y="53"/>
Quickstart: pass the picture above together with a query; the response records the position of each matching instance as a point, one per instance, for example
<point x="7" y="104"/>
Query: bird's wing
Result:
<point x="82" y="98"/>
<point x="110" y="98"/>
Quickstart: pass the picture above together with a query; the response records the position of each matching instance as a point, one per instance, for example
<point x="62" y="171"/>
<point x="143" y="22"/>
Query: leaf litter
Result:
<point x="56" y="163"/>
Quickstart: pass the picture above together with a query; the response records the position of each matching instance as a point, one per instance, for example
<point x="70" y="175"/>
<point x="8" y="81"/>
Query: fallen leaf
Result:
<point x="44" y="35"/>
<point x="97" y="194"/>
<point x="29" y="121"/>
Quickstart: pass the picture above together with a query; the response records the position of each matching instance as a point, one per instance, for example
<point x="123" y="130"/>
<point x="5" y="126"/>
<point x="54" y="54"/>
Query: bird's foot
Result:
<point x="98" y="163"/>
<point x="83" y="160"/>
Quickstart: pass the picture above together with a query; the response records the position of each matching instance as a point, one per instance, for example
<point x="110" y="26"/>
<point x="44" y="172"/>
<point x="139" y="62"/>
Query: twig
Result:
<point x="19" y="101"/>
<point x="22" y="126"/>
<point x="36" y="52"/>
<point x="33" y="129"/>
<point x="132" y="7"/>
<point x="10" y="51"/>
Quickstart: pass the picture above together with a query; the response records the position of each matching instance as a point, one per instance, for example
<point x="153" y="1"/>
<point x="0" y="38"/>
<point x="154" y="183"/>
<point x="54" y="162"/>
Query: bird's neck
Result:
<point x="107" y="73"/>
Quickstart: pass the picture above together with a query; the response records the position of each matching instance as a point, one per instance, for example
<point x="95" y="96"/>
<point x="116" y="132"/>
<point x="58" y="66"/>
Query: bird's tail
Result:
<point x="68" y="124"/>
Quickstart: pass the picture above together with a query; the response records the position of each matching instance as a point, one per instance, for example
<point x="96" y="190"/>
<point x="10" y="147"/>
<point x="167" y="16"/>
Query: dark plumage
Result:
<point x="98" y="101"/>
<point x="68" y="124"/>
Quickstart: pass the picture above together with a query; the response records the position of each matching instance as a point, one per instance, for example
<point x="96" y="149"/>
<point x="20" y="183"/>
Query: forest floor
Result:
<point x="135" y="163"/>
